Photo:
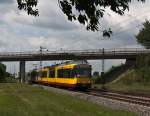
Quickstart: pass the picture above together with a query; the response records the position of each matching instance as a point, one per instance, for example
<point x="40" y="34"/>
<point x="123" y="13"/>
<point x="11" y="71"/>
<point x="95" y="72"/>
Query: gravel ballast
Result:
<point x="114" y="104"/>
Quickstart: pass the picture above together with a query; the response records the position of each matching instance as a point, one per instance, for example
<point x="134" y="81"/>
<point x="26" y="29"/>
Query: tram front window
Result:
<point x="83" y="72"/>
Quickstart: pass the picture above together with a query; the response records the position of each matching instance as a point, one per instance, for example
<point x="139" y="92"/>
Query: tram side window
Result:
<point x="44" y="74"/>
<point x="65" y="73"/>
<point x="83" y="72"/>
<point x="60" y="73"/>
<point x="51" y="74"/>
<point x="39" y="74"/>
<point x="68" y="73"/>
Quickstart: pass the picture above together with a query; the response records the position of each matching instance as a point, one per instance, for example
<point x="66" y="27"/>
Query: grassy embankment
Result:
<point x="135" y="80"/>
<point x="26" y="100"/>
<point x="129" y="84"/>
<point x="112" y="74"/>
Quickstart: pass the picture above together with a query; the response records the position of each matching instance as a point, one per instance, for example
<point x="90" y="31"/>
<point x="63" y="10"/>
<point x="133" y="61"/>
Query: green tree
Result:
<point x="86" y="12"/>
<point x="96" y="74"/>
<point x="2" y="72"/>
<point x="143" y="62"/>
<point x="143" y="36"/>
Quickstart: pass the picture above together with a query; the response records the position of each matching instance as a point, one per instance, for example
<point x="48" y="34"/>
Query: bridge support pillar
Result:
<point x="22" y="72"/>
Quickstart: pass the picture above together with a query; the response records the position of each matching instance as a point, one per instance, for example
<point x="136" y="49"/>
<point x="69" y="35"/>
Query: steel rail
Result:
<point x="144" y="101"/>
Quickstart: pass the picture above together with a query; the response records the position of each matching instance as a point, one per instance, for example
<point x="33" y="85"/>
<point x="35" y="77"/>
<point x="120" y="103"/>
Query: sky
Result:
<point x="51" y="29"/>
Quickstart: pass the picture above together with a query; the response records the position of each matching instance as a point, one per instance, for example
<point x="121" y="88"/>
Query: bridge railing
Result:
<point x="112" y="51"/>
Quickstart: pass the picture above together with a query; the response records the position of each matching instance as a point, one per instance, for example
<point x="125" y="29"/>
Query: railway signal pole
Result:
<point x="102" y="73"/>
<point x="41" y="53"/>
<point x="35" y="68"/>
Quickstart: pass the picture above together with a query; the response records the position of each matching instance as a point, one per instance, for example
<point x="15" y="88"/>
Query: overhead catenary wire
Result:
<point x="121" y="30"/>
<point x="125" y="29"/>
<point x="131" y="18"/>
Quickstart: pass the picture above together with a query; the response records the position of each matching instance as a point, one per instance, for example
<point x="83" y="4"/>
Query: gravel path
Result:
<point x="114" y="104"/>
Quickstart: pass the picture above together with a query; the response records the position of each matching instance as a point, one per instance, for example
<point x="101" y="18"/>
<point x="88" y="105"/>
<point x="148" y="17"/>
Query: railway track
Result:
<point x="144" y="101"/>
<point x="140" y="100"/>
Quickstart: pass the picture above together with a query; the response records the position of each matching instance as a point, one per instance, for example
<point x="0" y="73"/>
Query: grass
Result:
<point x="25" y="100"/>
<point x="135" y="89"/>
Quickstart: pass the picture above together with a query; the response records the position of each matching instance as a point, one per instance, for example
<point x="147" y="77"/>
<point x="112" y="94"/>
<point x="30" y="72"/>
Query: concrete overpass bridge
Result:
<point x="89" y="54"/>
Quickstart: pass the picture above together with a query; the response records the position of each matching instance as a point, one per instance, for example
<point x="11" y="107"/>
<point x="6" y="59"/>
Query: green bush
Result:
<point x="5" y="76"/>
<point x="2" y="72"/>
<point x="96" y="80"/>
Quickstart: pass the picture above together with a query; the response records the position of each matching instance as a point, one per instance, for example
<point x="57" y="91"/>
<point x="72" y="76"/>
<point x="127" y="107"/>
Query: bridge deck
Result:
<point x="91" y="54"/>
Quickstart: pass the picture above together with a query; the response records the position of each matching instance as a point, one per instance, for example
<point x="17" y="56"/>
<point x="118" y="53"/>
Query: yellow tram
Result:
<point x="71" y="74"/>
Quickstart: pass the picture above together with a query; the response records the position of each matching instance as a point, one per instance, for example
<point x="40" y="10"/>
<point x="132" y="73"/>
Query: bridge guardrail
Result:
<point x="113" y="51"/>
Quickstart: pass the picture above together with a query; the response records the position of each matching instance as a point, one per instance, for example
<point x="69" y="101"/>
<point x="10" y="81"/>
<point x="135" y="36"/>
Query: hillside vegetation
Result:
<point x="112" y="74"/>
<point x="135" y="80"/>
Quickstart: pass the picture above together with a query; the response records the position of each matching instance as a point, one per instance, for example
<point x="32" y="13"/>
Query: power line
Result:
<point x="127" y="20"/>
<point x="120" y="29"/>
<point x="127" y="29"/>
<point x="131" y="18"/>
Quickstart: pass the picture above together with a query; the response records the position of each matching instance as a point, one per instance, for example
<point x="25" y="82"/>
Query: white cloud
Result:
<point x="50" y="17"/>
<point x="35" y="41"/>
<point x="21" y="32"/>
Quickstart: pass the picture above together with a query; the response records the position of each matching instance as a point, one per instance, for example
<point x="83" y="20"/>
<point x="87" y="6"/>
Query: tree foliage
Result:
<point x="143" y="36"/>
<point x="96" y="74"/>
<point x="2" y="72"/>
<point x="28" y="5"/>
<point x="86" y="12"/>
